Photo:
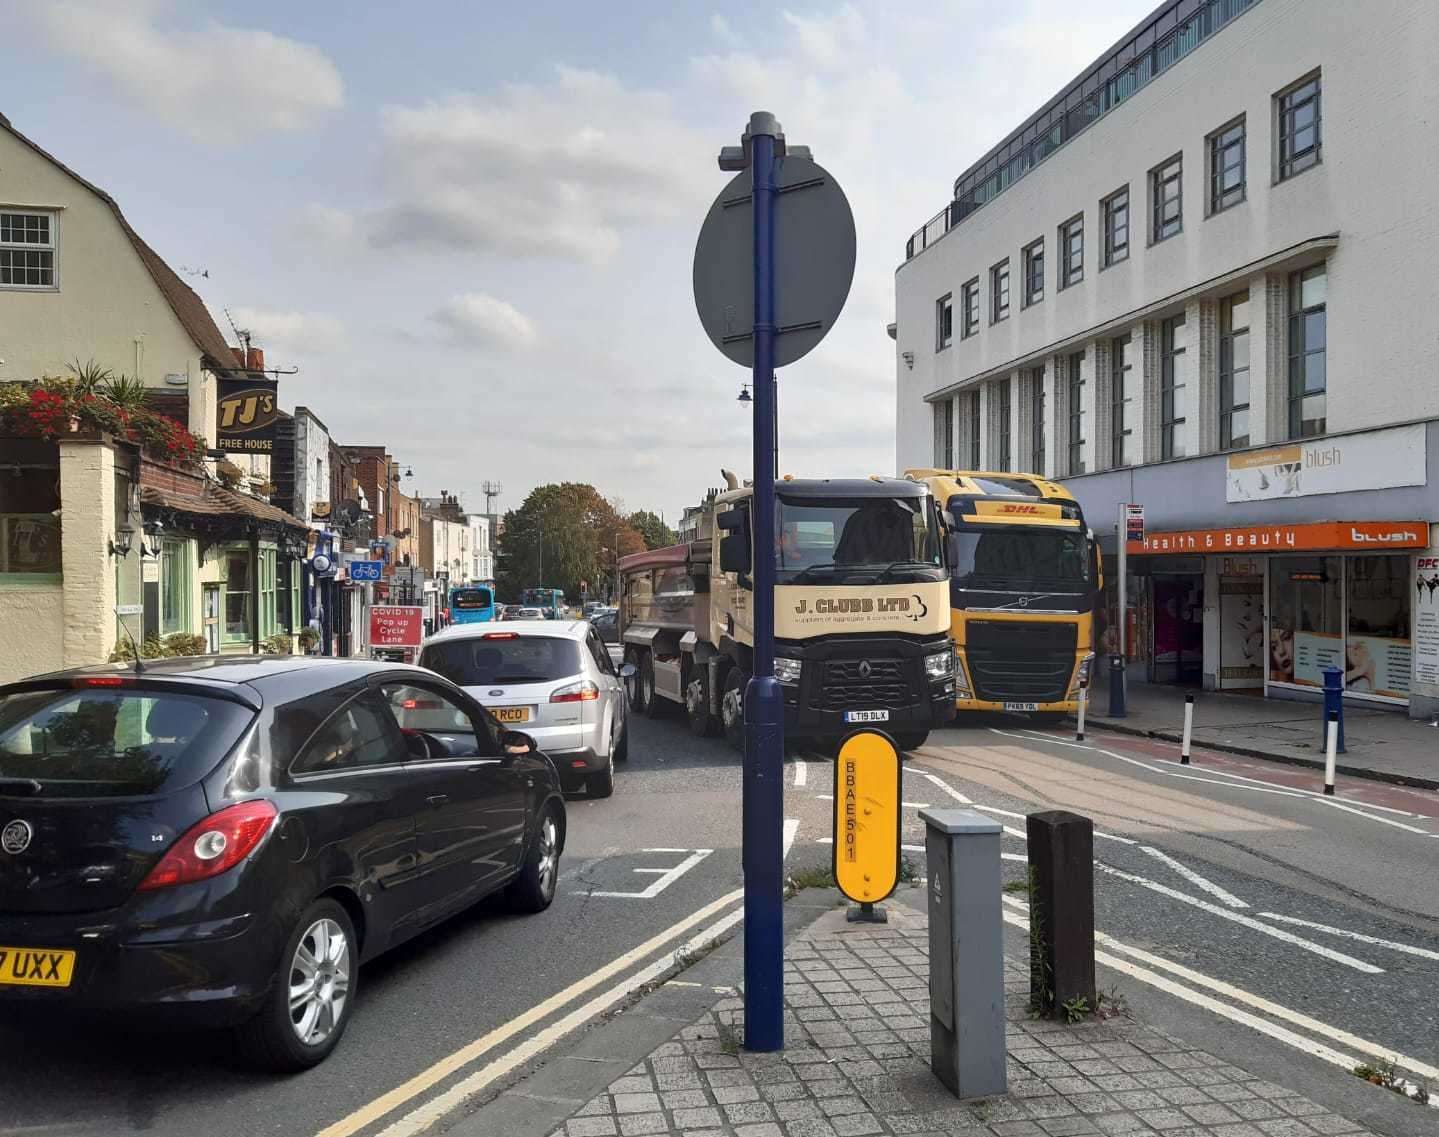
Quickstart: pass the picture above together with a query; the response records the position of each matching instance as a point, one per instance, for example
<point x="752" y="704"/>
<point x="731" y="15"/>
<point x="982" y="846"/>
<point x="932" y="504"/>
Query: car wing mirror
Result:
<point x="628" y="671"/>
<point x="517" y="742"/>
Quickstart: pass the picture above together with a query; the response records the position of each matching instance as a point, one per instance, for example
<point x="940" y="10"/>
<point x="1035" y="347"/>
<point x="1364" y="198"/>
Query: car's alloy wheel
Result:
<point x="534" y="888"/>
<point x="319" y="981"/>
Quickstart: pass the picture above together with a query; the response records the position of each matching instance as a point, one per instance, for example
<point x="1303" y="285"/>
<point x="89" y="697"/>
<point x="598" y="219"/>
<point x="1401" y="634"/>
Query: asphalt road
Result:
<point x="671" y="834"/>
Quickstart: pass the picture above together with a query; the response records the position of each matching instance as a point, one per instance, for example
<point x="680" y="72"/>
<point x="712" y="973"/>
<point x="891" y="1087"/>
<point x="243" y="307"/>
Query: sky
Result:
<point x="471" y="226"/>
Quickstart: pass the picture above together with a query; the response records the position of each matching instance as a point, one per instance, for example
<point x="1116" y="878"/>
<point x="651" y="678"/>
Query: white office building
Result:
<point x="1201" y="279"/>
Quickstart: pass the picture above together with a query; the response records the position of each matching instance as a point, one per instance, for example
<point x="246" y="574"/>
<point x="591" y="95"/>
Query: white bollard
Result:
<point x="1188" y="730"/>
<point x="1079" y="717"/>
<point x="1331" y="748"/>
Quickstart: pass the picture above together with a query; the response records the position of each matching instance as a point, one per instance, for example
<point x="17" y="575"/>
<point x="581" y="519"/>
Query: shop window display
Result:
<point x="1378" y="654"/>
<point x="1306" y="611"/>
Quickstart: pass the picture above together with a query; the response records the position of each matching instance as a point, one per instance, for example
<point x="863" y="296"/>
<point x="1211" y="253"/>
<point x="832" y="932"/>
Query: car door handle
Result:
<point x="438" y="799"/>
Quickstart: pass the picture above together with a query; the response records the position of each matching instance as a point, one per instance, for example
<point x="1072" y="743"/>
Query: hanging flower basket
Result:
<point x="52" y="408"/>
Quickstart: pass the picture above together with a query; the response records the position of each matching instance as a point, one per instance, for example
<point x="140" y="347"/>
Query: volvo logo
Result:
<point x="15" y="837"/>
<point x="865" y="670"/>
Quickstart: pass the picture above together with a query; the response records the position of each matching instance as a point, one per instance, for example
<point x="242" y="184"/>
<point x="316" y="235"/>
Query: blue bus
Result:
<point x="551" y="601"/>
<point x="472" y="604"/>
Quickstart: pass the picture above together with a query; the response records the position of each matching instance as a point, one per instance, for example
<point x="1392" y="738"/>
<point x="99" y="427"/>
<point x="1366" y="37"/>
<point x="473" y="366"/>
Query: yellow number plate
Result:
<point x="36" y="967"/>
<point x="511" y="714"/>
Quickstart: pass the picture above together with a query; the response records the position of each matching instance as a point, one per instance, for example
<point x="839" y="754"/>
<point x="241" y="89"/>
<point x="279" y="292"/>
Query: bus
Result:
<point x="472" y="604"/>
<point x="551" y="601"/>
<point x="1026" y="590"/>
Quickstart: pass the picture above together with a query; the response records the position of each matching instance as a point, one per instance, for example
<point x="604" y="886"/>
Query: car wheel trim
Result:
<point x="319" y="981"/>
<point x="549" y="840"/>
<point x="733" y="706"/>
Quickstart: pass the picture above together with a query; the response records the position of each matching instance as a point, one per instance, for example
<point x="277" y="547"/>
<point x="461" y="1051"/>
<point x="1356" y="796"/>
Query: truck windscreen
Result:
<point x="821" y="540"/>
<point x="1014" y="559"/>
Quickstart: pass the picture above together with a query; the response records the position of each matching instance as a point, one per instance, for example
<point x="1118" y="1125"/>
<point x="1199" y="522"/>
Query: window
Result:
<point x="969" y="308"/>
<point x="1234" y="371"/>
<point x="1172" y="402"/>
<point x="1307" y="335"/>
<point x="175" y="560"/>
<point x="999" y="292"/>
<point x="1116" y="227"/>
<point x="269" y="613"/>
<point x="1071" y="251"/>
<point x="1036" y="419"/>
<point x="1074" y="366"/>
<point x="1378" y="653"/>
<point x="237" y="595"/>
<point x="944" y="435"/>
<point x="1004" y="415"/>
<point x="1299" y="128"/>
<point x="455" y="733"/>
<point x="476" y="662"/>
<point x="944" y="322"/>
<point x="1166" y="191"/>
<point x="1226" y="167"/>
<point x="27" y="250"/>
<point x="29" y="500"/>
<point x="1121" y="401"/>
<point x="1034" y="273"/>
<point x="361" y="733"/>
<point x="972" y="406"/>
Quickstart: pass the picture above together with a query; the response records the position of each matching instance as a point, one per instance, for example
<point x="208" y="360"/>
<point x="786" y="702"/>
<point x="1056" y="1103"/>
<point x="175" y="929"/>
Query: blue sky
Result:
<point x="471" y="225"/>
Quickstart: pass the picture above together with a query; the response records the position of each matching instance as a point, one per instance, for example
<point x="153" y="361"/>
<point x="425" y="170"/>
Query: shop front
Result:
<point x="1270" y="608"/>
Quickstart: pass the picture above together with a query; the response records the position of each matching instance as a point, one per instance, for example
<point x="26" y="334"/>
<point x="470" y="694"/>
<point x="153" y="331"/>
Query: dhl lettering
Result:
<point x="1019" y="509"/>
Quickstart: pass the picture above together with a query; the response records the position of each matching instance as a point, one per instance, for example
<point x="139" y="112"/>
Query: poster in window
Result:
<point x="1313" y="652"/>
<point x="1426" y="620"/>
<point x="1241" y="631"/>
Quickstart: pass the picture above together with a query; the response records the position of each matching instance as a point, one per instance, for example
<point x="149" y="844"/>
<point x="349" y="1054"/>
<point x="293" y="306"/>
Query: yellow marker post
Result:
<point x="866" y="821"/>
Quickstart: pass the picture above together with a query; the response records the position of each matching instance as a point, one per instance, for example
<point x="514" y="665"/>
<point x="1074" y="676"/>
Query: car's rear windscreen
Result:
<point x="104" y="742"/>
<point x="500" y="660"/>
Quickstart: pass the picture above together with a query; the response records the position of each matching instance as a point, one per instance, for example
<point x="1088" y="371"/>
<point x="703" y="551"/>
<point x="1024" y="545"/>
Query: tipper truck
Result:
<point x="1026" y="590"/>
<point x="861" y="612"/>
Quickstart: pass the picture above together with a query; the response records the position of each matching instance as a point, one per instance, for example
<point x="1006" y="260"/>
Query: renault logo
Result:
<point x="496" y="693"/>
<point x="865" y="670"/>
<point x="15" y="837"/>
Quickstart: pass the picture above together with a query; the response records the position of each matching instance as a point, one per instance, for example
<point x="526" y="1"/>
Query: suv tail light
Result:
<point x="215" y="845"/>
<point x="581" y="692"/>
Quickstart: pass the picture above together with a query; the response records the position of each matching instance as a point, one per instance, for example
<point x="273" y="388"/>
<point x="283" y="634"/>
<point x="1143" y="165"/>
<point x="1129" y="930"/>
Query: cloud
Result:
<point x="477" y="320"/>
<point x="217" y="83"/>
<point x="555" y="169"/>
<point x="307" y="333"/>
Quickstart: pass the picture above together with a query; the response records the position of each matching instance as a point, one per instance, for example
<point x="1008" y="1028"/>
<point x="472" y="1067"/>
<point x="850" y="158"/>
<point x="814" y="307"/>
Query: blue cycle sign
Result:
<point x="366" y="570"/>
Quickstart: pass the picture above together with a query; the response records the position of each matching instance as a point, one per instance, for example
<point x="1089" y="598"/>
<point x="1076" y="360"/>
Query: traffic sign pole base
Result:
<point x="867" y="914"/>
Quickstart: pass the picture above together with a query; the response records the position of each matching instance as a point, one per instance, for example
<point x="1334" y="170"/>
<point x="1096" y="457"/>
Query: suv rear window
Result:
<point x="99" y="742"/>
<point x="496" y="659"/>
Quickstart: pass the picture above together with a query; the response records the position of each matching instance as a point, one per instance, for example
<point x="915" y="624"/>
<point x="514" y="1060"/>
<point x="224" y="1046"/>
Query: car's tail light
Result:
<point x="215" y="845"/>
<point x="500" y="636"/>
<point x="99" y="681"/>
<point x="422" y="705"/>
<point x="581" y="692"/>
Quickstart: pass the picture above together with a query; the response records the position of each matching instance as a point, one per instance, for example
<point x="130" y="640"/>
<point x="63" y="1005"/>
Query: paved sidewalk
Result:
<point x="857" y="1063"/>
<point x="1382" y="744"/>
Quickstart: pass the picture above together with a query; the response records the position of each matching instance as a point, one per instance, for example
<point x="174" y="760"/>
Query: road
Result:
<point x="1201" y="869"/>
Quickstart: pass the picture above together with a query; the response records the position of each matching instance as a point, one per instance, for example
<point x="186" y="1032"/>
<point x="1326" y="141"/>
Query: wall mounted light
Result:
<point x="122" y="542"/>
<point x="908" y="357"/>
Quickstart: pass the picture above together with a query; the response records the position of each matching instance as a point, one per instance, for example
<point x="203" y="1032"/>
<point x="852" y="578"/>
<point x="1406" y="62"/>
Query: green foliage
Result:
<point x="126" y="391"/>
<point x="561" y="535"/>
<point x="1075" y="1009"/>
<point x="1387" y="1076"/>
<point x="90" y="377"/>
<point x="309" y="638"/>
<point x="651" y="527"/>
<point x="175" y="644"/>
<point x="278" y="644"/>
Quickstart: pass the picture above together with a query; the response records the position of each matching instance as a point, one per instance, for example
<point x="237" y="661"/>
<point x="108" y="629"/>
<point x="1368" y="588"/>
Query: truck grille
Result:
<point x="1011" y="661"/>
<point x="843" y="687"/>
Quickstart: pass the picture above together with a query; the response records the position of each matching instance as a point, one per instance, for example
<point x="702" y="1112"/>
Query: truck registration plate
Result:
<point x="866" y="716"/>
<point x="1021" y="706"/>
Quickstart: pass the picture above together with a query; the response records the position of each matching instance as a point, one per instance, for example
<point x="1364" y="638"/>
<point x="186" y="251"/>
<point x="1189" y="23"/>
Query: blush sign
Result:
<point x="394" y="626"/>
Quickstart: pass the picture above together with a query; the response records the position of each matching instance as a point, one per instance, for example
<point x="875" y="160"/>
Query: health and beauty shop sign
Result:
<point x="395" y="626"/>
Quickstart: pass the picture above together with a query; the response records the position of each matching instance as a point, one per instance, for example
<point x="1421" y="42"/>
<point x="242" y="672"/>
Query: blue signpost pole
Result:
<point x="763" y="805"/>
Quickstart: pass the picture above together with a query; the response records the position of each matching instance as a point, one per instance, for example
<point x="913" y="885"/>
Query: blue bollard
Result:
<point x="1333" y="704"/>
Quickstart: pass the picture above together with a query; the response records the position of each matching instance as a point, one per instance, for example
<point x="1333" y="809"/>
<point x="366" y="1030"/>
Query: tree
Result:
<point x="652" y="528"/>
<point x="560" y="536"/>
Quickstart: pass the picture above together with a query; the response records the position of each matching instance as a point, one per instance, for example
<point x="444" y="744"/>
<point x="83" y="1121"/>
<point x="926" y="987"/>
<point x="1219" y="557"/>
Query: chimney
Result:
<point x="255" y="359"/>
<point x="239" y="353"/>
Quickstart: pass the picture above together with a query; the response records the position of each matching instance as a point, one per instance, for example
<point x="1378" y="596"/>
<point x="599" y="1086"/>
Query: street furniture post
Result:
<point x="1061" y="910"/>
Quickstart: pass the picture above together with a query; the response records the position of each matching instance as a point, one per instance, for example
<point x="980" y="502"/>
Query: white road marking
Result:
<point x="942" y="784"/>
<point x="1247" y="921"/>
<point x="1407" y="949"/>
<point x="1252" y="784"/>
<point x="667" y="875"/>
<point x="1369" y="1050"/>
<point x="427" y="1115"/>
<point x="801" y="771"/>
<point x="1223" y="895"/>
<point x="1020" y="857"/>
<point x="994" y="809"/>
<point x="426" y="1079"/>
<point x="791" y="827"/>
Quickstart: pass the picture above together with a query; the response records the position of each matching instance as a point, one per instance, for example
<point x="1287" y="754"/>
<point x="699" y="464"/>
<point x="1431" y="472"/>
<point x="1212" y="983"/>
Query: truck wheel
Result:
<point x="697" y="702"/>
<point x="911" y="740"/>
<point x="654" y="706"/>
<point x="635" y="688"/>
<point x="732" y="707"/>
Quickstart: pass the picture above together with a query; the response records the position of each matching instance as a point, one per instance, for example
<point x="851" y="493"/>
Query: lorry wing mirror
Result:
<point x="729" y="520"/>
<point x="734" y="553"/>
<point x="948" y="519"/>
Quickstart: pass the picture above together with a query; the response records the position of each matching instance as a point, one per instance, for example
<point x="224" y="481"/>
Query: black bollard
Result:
<point x="1061" y="914"/>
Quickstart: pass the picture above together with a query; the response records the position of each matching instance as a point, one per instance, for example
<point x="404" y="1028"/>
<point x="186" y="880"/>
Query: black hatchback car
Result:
<point x="227" y="840"/>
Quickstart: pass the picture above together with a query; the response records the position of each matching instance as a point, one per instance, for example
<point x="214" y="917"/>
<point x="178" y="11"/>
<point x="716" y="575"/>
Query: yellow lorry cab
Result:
<point x="1025" y="589"/>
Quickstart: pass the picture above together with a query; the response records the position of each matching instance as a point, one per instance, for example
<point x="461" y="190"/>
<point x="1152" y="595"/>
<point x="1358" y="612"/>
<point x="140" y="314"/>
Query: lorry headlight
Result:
<point x="1082" y="675"/>
<point x="940" y="665"/>
<point x="787" y="670"/>
<point x="961" y="680"/>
